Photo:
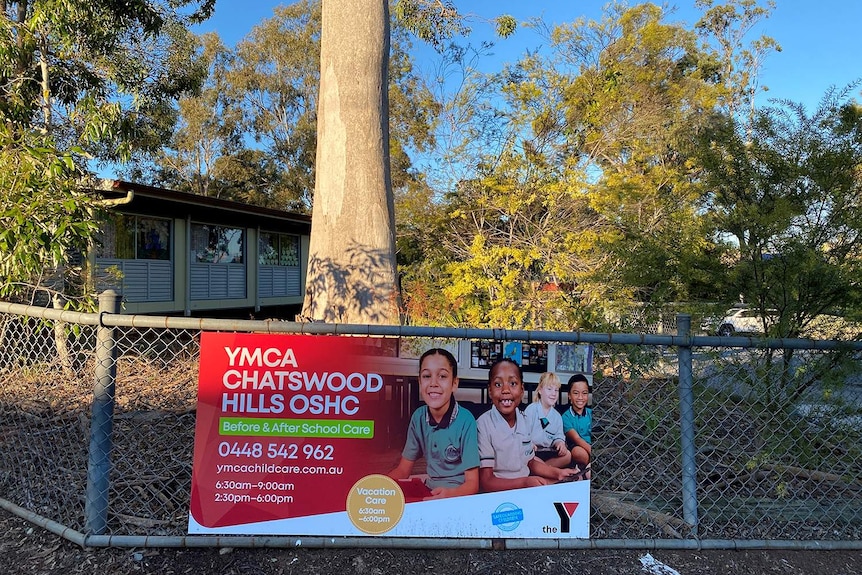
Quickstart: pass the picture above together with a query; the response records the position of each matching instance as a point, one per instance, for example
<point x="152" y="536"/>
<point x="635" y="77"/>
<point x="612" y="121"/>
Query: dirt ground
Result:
<point x="27" y="549"/>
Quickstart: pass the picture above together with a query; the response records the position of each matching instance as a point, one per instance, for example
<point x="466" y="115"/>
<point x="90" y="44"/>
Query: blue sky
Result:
<point x="821" y="40"/>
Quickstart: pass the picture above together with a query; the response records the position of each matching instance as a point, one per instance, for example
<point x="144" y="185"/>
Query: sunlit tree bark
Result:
<point x="351" y="270"/>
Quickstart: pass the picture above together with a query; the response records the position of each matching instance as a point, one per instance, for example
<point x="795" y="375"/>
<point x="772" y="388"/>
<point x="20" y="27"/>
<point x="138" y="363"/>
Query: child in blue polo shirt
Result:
<point x="578" y="422"/>
<point x="441" y="431"/>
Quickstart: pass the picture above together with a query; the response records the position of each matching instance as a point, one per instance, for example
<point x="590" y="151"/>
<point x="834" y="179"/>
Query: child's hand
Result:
<point x="440" y="493"/>
<point x="561" y="448"/>
<point x="437" y="493"/>
<point x="567" y="473"/>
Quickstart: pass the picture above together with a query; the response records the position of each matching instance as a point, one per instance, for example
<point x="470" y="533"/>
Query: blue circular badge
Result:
<point x="507" y="516"/>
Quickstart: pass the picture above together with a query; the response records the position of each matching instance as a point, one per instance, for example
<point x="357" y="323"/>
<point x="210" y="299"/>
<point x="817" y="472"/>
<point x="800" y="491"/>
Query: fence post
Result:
<point x="686" y="424"/>
<point x="102" y="420"/>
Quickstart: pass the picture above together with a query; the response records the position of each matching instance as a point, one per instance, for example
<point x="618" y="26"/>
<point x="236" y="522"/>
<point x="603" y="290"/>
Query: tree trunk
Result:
<point x="61" y="338"/>
<point x="352" y="276"/>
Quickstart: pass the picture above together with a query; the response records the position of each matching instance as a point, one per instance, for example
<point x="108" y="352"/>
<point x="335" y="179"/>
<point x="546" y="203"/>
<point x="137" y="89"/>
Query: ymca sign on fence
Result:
<point x="299" y="435"/>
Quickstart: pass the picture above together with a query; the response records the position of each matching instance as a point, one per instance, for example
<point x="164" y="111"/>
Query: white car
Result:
<point x="743" y="320"/>
<point x="748" y="321"/>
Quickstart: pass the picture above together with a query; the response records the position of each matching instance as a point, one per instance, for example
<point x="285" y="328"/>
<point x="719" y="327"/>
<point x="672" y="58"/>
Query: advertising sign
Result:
<point x="299" y="435"/>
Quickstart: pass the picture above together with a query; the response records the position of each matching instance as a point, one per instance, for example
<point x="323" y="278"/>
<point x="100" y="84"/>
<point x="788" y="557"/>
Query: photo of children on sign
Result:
<point x="320" y="436"/>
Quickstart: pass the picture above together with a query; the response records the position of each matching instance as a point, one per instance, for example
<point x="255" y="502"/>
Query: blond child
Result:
<point x="547" y="424"/>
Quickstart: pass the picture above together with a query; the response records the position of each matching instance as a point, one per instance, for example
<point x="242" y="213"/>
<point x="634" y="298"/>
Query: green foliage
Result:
<point x="96" y="74"/>
<point x="638" y="96"/>
<point x="251" y="133"/>
<point x="432" y="21"/>
<point x="736" y="59"/>
<point x="515" y="233"/>
<point x="84" y="82"/>
<point x="505" y="25"/>
<point x="42" y="216"/>
<point x="584" y="190"/>
<point x="785" y="187"/>
<point x="208" y="131"/>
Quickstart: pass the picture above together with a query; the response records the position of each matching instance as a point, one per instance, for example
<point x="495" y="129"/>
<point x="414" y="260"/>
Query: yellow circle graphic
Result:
<point x="375" y="504"/>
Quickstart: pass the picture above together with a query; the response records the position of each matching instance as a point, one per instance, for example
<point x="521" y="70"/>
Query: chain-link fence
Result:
<point x="697" y="438"/>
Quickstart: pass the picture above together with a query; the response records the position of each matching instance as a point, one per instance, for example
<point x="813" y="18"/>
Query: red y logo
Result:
<point x="565" y="511"/>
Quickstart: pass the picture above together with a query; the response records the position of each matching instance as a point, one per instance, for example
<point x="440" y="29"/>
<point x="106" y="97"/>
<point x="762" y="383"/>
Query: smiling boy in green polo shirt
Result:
<point x="442" y="431"/>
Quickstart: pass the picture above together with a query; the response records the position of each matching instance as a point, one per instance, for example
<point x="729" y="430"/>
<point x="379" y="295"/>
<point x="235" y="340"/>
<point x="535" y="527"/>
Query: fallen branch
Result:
<point x="141" y="521"/>
<point x="606" y="503"/>
<point x="807" y="473"/>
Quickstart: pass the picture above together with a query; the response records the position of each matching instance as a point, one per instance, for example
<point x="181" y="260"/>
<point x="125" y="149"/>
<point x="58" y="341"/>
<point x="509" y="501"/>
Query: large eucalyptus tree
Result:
<point x="351" y="270"/>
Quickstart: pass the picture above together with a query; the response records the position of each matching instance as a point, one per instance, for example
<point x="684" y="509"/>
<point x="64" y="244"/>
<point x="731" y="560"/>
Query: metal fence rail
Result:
<point x="700" y="441"/>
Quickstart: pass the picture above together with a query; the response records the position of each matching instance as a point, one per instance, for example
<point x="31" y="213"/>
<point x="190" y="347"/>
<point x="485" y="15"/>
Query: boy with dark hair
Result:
<point x="578" y="421"/>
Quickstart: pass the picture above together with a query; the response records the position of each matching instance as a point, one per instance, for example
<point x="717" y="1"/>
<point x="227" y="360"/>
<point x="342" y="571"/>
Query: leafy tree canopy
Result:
<point x="785" y="189"/>
<point x="84" y="82"/>
<point x="251" y="133"/>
